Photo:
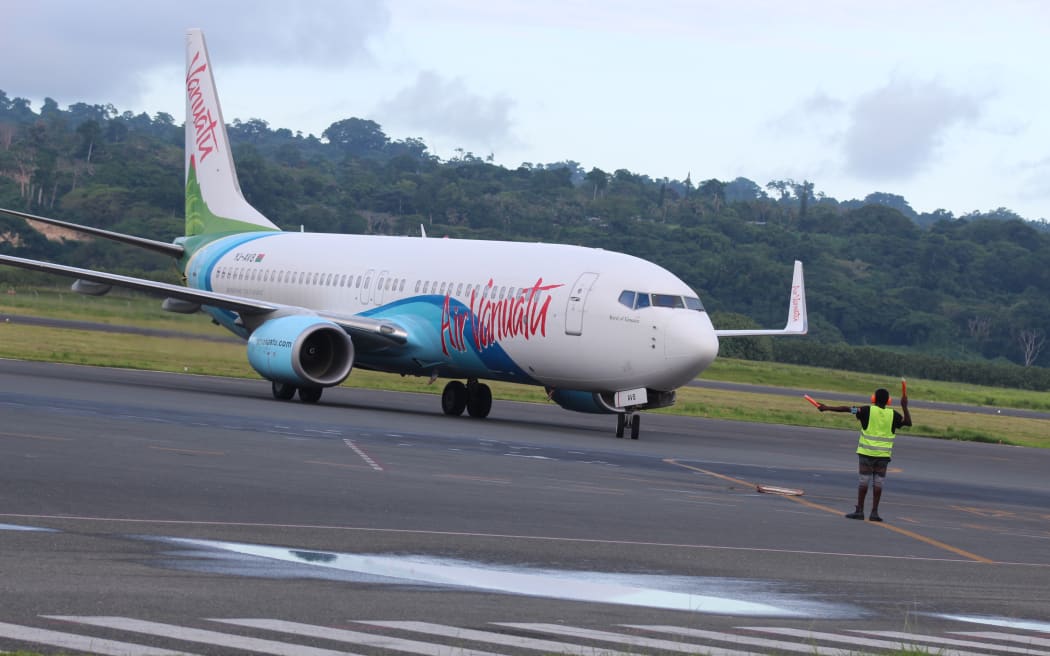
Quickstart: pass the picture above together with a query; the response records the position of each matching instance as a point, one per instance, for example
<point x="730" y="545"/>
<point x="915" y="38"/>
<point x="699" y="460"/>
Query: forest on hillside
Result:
<point x="972" y="288"/>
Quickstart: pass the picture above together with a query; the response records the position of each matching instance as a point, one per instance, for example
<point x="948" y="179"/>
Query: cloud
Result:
<point x="101" y="51"/>
<point x="894" y="132"/>
<point x="447" y="108"/>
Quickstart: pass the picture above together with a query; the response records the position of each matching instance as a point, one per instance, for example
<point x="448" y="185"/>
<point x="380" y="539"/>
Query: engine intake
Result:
<point x="301" y="350"/>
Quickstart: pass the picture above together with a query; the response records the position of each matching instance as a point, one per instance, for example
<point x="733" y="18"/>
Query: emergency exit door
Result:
<point x="577" y="305"/>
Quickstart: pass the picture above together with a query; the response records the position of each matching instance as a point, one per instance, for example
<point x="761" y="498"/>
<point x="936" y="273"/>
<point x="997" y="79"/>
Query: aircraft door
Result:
<point x="381" y="283"/>
<point x="577" y="304"/>
<point x="367" y="286"/>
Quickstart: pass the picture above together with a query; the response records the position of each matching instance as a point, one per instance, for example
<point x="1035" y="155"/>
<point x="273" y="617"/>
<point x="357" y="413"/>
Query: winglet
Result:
<point x="797" y="321"/>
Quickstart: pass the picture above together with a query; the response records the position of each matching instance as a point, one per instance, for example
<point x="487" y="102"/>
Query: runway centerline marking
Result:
<point x="364" y="456"/>
<point x="890" y="527"/>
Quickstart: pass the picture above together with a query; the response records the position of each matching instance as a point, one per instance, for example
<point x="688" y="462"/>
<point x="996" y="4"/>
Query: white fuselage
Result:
<point x="527" y="312"/>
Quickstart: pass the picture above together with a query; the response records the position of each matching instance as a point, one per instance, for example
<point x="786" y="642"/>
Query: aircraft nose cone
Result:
<point x="690" y="346"/>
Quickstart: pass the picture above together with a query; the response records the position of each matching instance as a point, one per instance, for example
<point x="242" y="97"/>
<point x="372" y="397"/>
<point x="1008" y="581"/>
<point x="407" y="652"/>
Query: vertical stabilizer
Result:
<point x="214" y="203"/>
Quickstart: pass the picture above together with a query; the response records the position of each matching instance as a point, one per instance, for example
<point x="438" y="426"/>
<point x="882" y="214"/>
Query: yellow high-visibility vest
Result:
<point x="877" y="439"/>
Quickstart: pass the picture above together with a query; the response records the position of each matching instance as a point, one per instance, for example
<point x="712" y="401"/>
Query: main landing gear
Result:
<point x="630" y="420"/>
<point x="474" y="397"/>
<point x="285" y="392"/>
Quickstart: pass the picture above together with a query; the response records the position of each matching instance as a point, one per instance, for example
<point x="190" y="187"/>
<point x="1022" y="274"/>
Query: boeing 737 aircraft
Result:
<point x="600" y="331"/>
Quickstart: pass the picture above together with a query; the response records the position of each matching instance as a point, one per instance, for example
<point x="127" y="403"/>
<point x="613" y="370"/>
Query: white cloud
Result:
<point x="445" y="107"/>
<point x="101" y="52"/>
<point x="895" y="131"/>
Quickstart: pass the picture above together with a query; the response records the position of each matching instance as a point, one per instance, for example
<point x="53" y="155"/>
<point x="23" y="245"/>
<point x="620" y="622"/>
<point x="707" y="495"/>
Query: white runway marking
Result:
<point x="81" y="643"/>
<point x="940" y="641"/>
<point x="778" y="645"/>
<point x="200" y="635"/>
<point x="625" y="639"/>
<point x="492" y="637"/>
<point x="354" y="637"/>
<point x="1009" y="637"/>
<point x="364" y="456"/>
<point x="860" y="642"/>
<point x="450" y="640"/>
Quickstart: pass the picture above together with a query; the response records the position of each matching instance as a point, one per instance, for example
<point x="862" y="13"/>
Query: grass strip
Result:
<point x="188" y="355"/>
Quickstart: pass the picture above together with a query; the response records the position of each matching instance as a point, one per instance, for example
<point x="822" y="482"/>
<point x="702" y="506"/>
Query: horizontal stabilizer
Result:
<point x="797" y="321"/>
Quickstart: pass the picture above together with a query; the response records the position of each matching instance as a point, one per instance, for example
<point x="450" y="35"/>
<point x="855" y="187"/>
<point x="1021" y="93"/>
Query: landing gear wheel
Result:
<point x="310" y="394"/>
<point x="636" y="425"/>
<point x="283" y="391"/>
<point x="454" y="398"/>
<point x="479" y="400"/>
<point x="621" y="423"/>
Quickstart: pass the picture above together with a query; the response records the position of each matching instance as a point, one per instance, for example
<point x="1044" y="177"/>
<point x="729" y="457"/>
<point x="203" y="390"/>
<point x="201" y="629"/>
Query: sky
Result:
<point x="942" y="102"/>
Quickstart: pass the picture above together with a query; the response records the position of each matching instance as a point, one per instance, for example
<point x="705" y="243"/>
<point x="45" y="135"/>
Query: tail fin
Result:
<point x="214" y="203"/>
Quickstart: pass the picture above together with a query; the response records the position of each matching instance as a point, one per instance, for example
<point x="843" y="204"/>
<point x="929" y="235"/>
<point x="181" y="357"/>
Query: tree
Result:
<point x="599" y="180"/>
<point x="357" y="137"/>
<point x="804" y="193"/>
<point x="1031" y="342"/>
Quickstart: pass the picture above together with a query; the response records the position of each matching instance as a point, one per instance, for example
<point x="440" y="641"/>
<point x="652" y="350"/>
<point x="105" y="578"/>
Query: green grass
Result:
<point x="191" y="355"/>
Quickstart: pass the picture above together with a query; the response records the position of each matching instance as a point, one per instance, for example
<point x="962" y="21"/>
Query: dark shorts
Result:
<point x="871" y="465"/>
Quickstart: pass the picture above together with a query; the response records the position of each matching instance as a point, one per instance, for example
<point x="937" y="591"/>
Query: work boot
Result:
<point x="856" y="515"/>
<point x="874" y="516"/>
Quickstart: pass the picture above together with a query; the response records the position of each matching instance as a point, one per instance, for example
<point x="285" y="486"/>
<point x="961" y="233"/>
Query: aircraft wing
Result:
<point x="163" y="247"/>
<point x="373" y="332"/>
<point x="797" y="322"/>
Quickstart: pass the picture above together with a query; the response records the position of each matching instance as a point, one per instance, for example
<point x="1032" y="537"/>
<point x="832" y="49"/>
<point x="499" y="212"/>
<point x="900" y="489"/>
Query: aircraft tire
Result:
<point x="283" y="391"/>
<point x="621" y="423"/>
<point x="454" y="398"/>
<point x="479" y="400"/>
<point x="310" y="394"/>
<point x="636" y="426"/>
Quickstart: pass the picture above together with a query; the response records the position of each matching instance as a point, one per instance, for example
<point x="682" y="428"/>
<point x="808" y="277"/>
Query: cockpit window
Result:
<point x="638" y="300"/>
<point x="667" y="300"/>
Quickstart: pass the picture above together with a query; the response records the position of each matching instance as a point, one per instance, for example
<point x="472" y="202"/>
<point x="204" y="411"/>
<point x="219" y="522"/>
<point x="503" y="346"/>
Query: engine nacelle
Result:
<point x="581" y="401"/>
<point x="301" y="350"/>
<point x="604" y="402"/>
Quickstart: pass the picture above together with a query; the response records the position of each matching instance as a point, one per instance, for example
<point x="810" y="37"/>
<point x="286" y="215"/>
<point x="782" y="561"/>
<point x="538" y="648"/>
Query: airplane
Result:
<point x="600" y="331"/>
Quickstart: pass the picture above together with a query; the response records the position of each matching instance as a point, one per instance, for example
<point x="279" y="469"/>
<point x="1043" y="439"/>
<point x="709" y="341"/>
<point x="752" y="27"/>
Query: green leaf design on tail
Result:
<point x="200" y="220"/>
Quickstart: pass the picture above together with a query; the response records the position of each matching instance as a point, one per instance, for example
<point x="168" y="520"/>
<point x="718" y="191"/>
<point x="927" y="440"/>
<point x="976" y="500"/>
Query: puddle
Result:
<point x="1002" y="622"/>
<point x="695" y="594"/>
<point x="16" y="527"/>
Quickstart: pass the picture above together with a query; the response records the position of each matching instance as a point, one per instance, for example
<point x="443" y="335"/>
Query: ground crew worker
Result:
<point x="878" y="426"/>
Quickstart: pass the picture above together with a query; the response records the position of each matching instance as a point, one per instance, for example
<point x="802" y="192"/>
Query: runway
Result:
<point x="132" y="501"/>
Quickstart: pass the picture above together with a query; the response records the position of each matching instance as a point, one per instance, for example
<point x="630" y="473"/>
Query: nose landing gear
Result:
<point x="630" y="420"/>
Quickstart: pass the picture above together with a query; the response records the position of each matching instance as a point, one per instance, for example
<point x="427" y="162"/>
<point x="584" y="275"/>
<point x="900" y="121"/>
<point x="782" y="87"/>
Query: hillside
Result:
<point x="969" y="289"/>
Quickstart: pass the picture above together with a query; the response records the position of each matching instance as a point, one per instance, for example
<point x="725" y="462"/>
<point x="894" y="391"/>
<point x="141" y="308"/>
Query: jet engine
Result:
<point x="581" y="401"/>
<point x="604" y="402"/>
<point x="301" y="350"/>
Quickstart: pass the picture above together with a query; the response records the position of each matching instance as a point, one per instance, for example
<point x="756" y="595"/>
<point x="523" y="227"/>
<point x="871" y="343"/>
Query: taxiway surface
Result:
<point x="176" y="498"/>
